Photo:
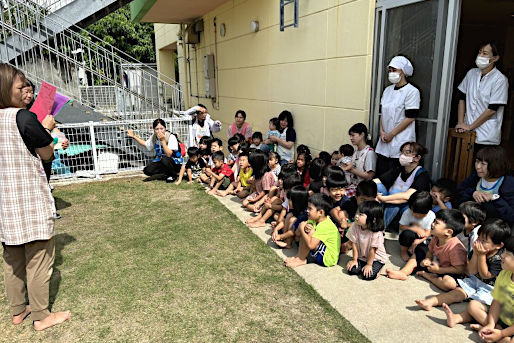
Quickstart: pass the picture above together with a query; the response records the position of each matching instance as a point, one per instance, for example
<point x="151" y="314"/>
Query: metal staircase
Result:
<point x="49" y="48"/>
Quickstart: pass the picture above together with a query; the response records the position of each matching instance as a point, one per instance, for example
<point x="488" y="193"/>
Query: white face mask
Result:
<point x="394" y="77"/>
<point x="405" y="160"/>
<point x="482" y="62"/>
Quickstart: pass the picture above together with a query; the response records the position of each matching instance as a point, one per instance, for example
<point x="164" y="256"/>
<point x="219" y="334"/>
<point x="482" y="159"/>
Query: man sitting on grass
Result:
<point x="319" y="237"/>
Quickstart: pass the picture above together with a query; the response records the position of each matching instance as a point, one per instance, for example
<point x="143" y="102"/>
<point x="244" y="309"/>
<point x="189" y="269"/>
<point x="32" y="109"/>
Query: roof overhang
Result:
<point x="171" y="11"/>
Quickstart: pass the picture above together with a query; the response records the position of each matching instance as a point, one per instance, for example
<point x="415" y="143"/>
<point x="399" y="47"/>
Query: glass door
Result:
<point x="426" y="33"/>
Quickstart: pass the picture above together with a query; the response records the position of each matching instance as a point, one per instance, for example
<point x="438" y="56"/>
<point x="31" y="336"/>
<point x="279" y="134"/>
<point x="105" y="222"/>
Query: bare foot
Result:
<point x="425" y="275"/>
<point x="178" y="182"/>
<point x="281" y="244"/>
<point x="396" y="274"/>
<point x="295" y="262"/>
<point x="221" y="193"/>
<point x="257" y="223"/>
<point x="424" y="304"/>
<point x="450" y="316"/>
<point x="250" y="220"/>
<point x="54" y="318"/>
<point x="476" y="327"/>
<point x="273" y="224"/>
<point x="405" y="256"/>
<point x="18" y="319"/>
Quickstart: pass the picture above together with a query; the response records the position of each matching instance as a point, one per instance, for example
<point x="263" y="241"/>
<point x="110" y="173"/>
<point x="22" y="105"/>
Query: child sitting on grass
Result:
<point x="193" y="167"/>
<point x="367" y="237"/>
<point x="483" y="268"/>
<point x="241" y="186"/>
<point x="415" y="223"/>
<point x="475" y="216"/>
<point x="298" y="200"/>
<point x="205" y="148"/>
<point x="216" y="145"/>
<point x="287" y="171"/>
<point x="442" y="192"/>
<point x="221" y="175"/>
<point x="498" y="324"/>
<point x="319" y="236"/>
<point x="446" y="256"/>
<point x="262" y="183"/>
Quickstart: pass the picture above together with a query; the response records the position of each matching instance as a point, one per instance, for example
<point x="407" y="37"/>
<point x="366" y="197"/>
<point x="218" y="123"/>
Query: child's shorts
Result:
<point x="225" y="182"/>
<point x="302" y="217"/>
<point x="476" y="289"/>
<point x="318" y="253"/>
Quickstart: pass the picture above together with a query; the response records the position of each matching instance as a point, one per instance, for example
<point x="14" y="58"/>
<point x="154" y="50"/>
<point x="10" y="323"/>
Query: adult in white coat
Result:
<point x="483" y="95"/>
<point x="203" y="125"/>
<point x="400" y="105"/>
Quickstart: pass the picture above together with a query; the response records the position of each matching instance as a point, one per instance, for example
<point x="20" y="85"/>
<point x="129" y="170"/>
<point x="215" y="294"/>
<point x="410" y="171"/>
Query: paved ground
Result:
<point x="383" y="310"/>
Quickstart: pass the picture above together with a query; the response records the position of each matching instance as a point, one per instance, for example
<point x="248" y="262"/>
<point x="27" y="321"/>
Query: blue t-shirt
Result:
<point x="437" y="208"/>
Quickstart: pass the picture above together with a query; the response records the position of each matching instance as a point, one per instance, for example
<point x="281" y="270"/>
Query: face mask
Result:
<point x="394" y="77"/>
<point x="405" y="160"/>
<point x="482" y="62"/>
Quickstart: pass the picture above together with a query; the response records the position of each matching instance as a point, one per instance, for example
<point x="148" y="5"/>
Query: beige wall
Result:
<point x="319" y="71"/>
<point x="165" y="44"/>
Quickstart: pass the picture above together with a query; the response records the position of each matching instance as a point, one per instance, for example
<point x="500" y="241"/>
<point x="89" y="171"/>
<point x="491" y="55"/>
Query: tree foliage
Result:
<point x="134" y="39"/>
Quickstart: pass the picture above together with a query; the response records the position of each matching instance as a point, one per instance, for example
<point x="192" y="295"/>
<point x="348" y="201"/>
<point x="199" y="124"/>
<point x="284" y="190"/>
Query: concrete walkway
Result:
<point x="383" y="310"/>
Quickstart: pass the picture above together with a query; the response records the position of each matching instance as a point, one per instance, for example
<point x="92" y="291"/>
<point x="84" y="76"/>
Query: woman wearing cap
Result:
<point x="483" y="94"/>
<point x="400" y="106"/>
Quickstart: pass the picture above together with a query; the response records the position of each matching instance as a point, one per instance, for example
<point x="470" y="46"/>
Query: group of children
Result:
<point x="311" y="203"/>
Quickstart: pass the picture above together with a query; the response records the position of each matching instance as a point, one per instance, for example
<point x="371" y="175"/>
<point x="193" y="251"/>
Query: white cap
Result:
<point x="400" y="62"/>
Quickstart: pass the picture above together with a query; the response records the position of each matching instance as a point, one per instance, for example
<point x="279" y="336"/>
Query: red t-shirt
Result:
<point x="452" y="254"/>
<point x="225" y="170"/>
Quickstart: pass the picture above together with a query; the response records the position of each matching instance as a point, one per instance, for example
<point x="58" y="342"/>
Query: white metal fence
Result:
<point x="97" y="148"/>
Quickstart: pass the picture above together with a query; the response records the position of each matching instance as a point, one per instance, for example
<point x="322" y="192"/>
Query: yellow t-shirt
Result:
<point x="503" y="293"/>
<point x="243" y="177"/>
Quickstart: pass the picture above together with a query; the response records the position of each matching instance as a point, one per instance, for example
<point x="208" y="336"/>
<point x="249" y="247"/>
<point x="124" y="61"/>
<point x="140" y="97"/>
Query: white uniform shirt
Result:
<point x="394" y="103"/>
<point x="481" y="92"/>
<point x="172" y="142"/>
<point x="209" y="126"/>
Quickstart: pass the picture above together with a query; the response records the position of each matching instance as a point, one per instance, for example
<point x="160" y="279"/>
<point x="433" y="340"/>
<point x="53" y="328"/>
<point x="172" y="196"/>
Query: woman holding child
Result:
<point x="397" y="185"/>
<point x="489" y="184"/>
<point x="26" y="205"/>
<point x="400" y="105"/>
<point x="285" y="142"/>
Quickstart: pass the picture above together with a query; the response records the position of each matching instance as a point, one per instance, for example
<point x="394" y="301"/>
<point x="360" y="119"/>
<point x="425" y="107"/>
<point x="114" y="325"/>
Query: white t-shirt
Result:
<point x="425" y="223"/>
<point x="394" y="102"/>
<point x="481" y="92"/>
<point x="172" y="142"/>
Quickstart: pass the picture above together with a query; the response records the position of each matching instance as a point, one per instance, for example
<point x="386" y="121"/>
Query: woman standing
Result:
<point x="285" y="143"/>
<point x="483" y="94"/>
<point x="166" y="164"/>
<point x="26" y="205"/>
<point x="400" y="106"/>
<point x="240" y="126"/>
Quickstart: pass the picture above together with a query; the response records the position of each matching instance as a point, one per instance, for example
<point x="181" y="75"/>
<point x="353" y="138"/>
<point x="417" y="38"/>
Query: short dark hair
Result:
<point x="275" y="122"/>
<point x="496" y="229"/>
<point x="306" y="156"/>
<point x="322" y="202"/>
<point x="367" y="188"/>
<point x="241" y="112"/>
<point x="157" y="122"/>
<point x="325" y="156"/>
<point x="29" y="83"/>
<point x="346" y="150"/>
<point x="420" y="202"/>
<point x="446" y="186"/>
<point x="207" y="140"/>
<point x="287" y="169"/>
<point x="316" y="169"/>
<point x="233" y="141"/>
<point x="509" y="244"/>
<point x="202" y="106"/>
<point x="336" y="181"/>
<point x="417" y="148"/>
<point x="494" y="47"/>
<point x="218" y="156"/>
<point x="302" y="148"/>
<point x="275" y="155"/>
<point x="358" y="129"/>
<point x="193" y="151"/>
<point x="257" y="134"/>
<point x="374" y="215"/>
<point x="291" y="181"/>
<point x="217" y="140"/>
<point x="453" y="219"/>
<point x="244" y="152"/>
<point x="299" y="197"/>
<point x="496" y="159"/>
<point x="287" y="116"/>
<point x="474" y="211"/>
<point x="330" y="170"/>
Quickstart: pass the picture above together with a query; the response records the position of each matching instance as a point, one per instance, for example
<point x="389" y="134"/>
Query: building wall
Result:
<point x="165" y="44"/>
<point x="320" y="71"/>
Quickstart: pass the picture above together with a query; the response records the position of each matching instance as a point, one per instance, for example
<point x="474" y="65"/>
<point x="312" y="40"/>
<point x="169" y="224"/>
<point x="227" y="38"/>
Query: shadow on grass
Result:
<point x="61" y="204"/>
<point x="61" y="240"/>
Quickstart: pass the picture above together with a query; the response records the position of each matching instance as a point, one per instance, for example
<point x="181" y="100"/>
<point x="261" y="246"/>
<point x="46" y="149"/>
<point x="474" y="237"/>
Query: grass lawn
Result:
<point x="153" y="262"/>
